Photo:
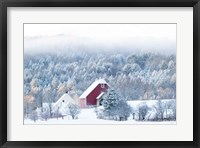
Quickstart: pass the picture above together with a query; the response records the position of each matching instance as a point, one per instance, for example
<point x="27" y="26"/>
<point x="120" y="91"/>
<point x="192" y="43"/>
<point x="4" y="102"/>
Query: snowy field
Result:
<point x="88" y="116"/>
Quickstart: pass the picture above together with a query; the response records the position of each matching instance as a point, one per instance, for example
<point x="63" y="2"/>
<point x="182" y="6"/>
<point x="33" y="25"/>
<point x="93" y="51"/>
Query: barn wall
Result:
<point x="91" y="98"/>
<point x="82" y="103"/>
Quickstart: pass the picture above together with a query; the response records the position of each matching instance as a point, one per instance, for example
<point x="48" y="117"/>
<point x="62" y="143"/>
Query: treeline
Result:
<point x="133" y="76"/>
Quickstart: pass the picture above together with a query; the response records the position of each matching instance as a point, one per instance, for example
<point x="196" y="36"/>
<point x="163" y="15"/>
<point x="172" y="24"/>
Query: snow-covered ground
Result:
<point x="88" y="116"/>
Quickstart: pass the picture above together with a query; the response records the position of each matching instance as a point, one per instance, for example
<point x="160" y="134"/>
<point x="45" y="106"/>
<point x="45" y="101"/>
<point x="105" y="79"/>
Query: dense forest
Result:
<point x="136" y="76"/>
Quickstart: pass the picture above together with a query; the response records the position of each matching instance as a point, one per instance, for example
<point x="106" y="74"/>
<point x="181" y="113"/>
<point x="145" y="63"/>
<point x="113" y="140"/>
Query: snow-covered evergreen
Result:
<point x="114" y="107"/>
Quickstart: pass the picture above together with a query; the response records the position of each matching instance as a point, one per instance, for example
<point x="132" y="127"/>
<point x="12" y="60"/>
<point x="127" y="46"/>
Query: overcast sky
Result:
<point x="159" y="37"/>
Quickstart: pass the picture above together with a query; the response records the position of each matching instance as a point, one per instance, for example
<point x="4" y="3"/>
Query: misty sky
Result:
<point x="64" y="37"/>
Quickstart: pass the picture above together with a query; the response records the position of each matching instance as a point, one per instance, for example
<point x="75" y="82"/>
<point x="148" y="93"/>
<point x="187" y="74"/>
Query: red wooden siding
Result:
<point x="91" y="98"/>
<point x="82" y="103"/>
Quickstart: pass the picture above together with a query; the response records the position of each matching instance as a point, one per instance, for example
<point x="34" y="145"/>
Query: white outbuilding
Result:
<point x="62" y="104"/>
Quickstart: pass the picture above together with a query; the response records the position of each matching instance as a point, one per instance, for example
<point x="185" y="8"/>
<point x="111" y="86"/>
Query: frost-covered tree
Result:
<point x="57" y="114"/>
<point x="172" y="107"/>
<point x="123" y="110"/>
<point x="36" y="91"/>
<point x="28" y="104"/>
<point x="142" y="111"/>
<point x="34" y="115"/>
<point x="115" y="107"/>
<point x="48" y="97"/>
<point x="74" y="110"/>
<point x="54" y="82"/>
<point x="45" y="114"/>
<point x="167" y="93"/>
<point x="110" y="101"/>
<point x="62" y="88"/>
<point x="70" y="86"/>
<point x="160" y="110"/>
<point x="165" y="110"/>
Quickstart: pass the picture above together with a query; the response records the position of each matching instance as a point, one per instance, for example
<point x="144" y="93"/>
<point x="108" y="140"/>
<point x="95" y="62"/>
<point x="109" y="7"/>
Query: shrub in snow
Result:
<point x="171" y="110"/>
<point x="123" y="110"/>
<point x="45" y="115"/>
<point x="99" y="112"/>
<point x="114" y="108"/>
<point x="164" y="110"/>
<point x="57" y="114"/>
<point x="142" y="112"/>
<point x="74" y="110"/>
<point x="34" y="115"/>
<point x="160" y="109"/>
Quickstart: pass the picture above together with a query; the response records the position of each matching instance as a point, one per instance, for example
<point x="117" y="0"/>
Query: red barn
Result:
<point x="93" y="95"/>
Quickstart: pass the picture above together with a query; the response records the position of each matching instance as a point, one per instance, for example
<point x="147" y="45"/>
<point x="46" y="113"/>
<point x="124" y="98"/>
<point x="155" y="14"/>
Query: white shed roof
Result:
<point x="67" y="99"/>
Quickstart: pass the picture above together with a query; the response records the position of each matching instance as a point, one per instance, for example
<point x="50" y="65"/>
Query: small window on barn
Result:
<point x="63" y="100"/>
<point x="102" y="85"/>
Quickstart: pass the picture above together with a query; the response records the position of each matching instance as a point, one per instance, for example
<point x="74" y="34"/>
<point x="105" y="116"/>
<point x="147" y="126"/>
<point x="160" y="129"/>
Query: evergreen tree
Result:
<point x="115" y="108"/>
<point x="110" y="100"/>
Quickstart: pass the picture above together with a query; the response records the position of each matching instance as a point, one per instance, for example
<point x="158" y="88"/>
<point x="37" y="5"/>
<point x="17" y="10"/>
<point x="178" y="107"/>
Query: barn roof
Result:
<point x="92" y="87"/>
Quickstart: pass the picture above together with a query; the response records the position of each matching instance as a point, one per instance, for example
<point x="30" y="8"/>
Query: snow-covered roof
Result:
<point x="62" y="104"/>
<point x="66" y="97"/>
<point x="92" y="87"/>
<point x="100" y="95"/>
